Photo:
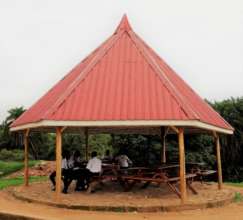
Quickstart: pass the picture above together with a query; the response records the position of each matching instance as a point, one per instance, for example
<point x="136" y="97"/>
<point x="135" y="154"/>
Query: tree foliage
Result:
<point x="232" y="145"/>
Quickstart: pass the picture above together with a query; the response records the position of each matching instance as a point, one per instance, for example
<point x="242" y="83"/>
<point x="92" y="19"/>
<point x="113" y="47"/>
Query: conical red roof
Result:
<point x="123" y="81"/>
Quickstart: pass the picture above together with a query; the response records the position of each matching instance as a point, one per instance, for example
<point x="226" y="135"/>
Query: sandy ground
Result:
<point x="43" y="169"/>
<point x="11" y="205"/>
<point x="112" y="194"/>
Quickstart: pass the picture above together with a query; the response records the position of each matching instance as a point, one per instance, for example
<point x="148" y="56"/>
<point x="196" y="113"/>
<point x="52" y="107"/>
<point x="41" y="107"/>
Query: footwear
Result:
<point x="64" y="191"/>
<point x="79" y="189"/>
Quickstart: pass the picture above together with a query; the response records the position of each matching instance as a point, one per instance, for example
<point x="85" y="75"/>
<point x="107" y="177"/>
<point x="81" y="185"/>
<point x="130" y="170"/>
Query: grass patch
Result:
<point x="8" y="167"/>
<point x="4" y="183"/>
<point x="238" y="197"/>
<point x="240" y="184"/>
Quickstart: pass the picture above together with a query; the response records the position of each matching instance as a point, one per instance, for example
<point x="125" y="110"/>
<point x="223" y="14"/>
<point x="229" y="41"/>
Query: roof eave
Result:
<point x="119" y="123"/>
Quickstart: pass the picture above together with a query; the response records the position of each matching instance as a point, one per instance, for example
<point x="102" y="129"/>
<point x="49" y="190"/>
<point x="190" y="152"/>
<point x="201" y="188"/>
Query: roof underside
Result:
<point x="123" y="80"/>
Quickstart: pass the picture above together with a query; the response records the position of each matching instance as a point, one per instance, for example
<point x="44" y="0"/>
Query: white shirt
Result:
<point x="76" y="160"/>
<point x="67" y="164"/>
<point x="123" y="160"/>
<point x="94" y="165"/>
<point x="64" y="164"/>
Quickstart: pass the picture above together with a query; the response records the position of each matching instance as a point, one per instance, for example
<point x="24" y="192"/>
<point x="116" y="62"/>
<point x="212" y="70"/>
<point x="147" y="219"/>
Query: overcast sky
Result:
<point x="40" y="41"/>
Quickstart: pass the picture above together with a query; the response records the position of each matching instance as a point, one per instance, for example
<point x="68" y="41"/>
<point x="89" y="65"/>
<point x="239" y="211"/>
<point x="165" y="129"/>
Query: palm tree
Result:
<point x="8" y="139"/>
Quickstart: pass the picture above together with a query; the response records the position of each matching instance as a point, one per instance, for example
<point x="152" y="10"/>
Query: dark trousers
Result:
<point x="77" y="175"/>
<point x="85" y="178"/>
<point x="66" y="177"/>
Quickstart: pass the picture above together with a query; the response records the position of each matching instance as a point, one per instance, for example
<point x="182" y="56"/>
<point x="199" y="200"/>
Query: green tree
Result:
<point x="7" y="139"/>
<point x="232" y="145"/>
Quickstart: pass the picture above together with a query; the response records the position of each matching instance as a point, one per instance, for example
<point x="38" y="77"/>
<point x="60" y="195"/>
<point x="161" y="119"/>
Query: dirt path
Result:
<point x="11" y="205"/>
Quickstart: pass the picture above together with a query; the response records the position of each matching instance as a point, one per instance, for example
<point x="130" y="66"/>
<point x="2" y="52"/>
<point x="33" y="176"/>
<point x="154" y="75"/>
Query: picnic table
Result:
<point x="129" y="177"/>
<point x="200" y="169"/>
<point x="130" y="180"/>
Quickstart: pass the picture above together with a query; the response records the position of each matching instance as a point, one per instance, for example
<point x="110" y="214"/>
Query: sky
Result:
<point x="41" y="41"/>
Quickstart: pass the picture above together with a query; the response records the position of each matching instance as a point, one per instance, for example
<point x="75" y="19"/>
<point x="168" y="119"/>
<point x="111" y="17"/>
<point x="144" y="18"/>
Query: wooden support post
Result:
<point x="182" y="165"/>
<point x="58" y="162"/>
<point x="163" y="150"/>
<point x="218" y="157"/>
<point x="86" y="144"/>
<point x="26" y="157"/>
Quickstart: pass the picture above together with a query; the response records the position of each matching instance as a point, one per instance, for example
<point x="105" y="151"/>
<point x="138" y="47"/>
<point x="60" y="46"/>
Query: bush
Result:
<point x="238" y="197"/>
<point x="13" y="155"/>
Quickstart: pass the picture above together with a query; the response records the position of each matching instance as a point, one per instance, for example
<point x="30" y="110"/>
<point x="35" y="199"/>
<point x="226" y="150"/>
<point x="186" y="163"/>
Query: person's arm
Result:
<point x="129" y="161"/>
<point x="88" y="166"/>
<point x="64" y="164"/>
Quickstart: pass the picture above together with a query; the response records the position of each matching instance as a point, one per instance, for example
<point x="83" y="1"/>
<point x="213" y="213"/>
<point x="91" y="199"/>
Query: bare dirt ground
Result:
<point x="112" y="194"/>
<point x="8" y="204"/>
<point x="43" y="169"/>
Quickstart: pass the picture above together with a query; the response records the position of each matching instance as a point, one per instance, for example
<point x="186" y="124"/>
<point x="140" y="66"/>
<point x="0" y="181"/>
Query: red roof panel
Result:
<point x="123" y="79"/>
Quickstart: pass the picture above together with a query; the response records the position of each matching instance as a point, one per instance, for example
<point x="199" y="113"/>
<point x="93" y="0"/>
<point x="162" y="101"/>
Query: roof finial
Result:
<point x="124" y="25"/>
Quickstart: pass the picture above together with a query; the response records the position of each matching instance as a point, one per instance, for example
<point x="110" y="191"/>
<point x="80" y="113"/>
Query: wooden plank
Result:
<point x="174" y="189"/>
<point x="189" y="185"/>
<point x="218" y="157"/>
<point x="182" y="165"/>
<point x="168" y="167"/>
<point x="26" y="157"/>
<point x="58" y="162"/>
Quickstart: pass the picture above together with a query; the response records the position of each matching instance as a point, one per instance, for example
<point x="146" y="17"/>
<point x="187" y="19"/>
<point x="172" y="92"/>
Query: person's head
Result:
<point x="123" y="151"/>
<point x="93" y="154"/>
<point x="76" y="154"/>
<point x="66" y="154"/>
<point x="107" y="152"/>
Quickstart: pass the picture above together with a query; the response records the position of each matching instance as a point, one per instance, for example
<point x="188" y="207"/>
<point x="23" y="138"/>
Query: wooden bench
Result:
<point x="99" y="180"/>
<point x="204" y="173"/>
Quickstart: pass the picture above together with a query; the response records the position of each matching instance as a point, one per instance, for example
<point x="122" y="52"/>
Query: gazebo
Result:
<point x="122" y="87"/>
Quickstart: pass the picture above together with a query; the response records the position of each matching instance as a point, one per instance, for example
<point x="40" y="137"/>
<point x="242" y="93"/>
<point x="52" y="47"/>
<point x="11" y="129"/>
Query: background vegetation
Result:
<point x="143" y="149"/>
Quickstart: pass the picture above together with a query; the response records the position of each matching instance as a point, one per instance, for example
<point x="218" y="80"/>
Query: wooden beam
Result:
<point x="86" y="133"/>
<point x="58" y="161"/>
<point x="182" y="165"/>
<point x="175" y="129"/>
<point x="63" y="129"/>
<point x="26" y="157"/>
<point x="218" y="158"/>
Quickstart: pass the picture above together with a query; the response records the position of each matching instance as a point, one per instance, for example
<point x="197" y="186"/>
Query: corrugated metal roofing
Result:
<point x="123" y="79"/>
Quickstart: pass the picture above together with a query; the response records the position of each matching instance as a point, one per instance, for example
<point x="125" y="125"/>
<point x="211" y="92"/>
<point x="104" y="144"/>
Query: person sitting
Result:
<point x="93" y="168"/>
<point x="123" y="161"/>
<point x="107" y="158"/>
<point x="67" y="164"/>
<point x="77" y="169"/>
<point x="76" y="160"/>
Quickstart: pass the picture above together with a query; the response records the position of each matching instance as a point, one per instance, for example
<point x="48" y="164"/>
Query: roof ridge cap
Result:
<point x="123" y="25"/>
<point x="150" y="59"/>
<point x="108" y="45"/>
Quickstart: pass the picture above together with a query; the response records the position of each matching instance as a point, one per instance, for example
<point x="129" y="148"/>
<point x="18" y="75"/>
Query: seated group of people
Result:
<point x="74" y="169"/>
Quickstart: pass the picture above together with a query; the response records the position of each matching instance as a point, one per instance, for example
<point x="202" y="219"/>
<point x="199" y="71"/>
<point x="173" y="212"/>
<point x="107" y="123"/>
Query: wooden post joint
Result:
<point x="175" y="129"/>
<point x="215" y="135"/>
<point x="27" y="132"/>
<point x="63" y="129"/>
